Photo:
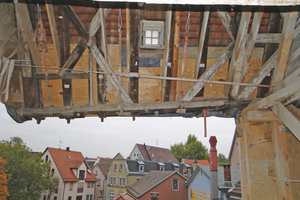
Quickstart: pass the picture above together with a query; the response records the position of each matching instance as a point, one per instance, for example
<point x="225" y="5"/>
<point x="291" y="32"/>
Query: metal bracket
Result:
<point x="251" y="144"/>
<point x="286" y="181"/>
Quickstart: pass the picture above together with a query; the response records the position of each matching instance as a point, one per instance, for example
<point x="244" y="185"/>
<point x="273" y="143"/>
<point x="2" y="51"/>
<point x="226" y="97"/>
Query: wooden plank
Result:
<point x="268" y="38"/>
<point x="167" y="50"/>
<point x="73" y="19"/>
<point x="284" y="47"/>
<point x="240" y="70"/>
<point x="134" y="57"/>
<point x="201" y="40"/>
<point x="261" y="116"/>
<point x="128" y="42"/>
<point x="107" y="68"/>
<point x="41" y="75"/>
<point x="282" y="169"/>
<point x="175" y="54"/>
<point x="209" y="73"/>
<point x="287" y="118"/>
<point x="221" y="2"/>
<point x="259" y="76"/>
<point x="52" y="23"/>
<point x="238" y="51"/>
<point x="294" y="110"/>
<point x="28" y="32"/>
<point x="226" y="21"/>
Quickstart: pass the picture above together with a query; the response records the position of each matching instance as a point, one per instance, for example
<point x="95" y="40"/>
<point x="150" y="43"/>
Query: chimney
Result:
<point x="195" y="165"/>
<point x="161" y="159"/>
<point x="227" y="173"/>
<point x="68" y="148"/>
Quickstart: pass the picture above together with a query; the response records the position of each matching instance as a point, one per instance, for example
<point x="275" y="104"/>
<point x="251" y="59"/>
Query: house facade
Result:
<point x="233" y="158"/>
<point x="100" y="167"/>
<point x="76" y="179"/>
<point x="151" y="153"/>
<point x="160" y="185"/>
<point x="199" y="182"/>
<point x="125" y="172"/>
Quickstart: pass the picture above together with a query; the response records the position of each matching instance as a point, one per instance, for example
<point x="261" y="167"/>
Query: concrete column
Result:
<point x="213" y="168"/>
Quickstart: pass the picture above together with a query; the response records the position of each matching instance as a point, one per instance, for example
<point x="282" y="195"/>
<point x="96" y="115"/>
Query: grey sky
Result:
<point x="94" y="138"/>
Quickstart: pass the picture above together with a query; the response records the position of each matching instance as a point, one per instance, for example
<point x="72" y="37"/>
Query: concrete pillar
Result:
<point x="213" y="168"/>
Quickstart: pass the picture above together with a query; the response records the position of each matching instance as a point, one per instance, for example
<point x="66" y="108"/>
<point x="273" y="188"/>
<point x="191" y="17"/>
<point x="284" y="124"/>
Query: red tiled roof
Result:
<point x="125" y="196"/>
<point x="189" y="161"/>
<point x="68" y="160"/>
<point x="151" y="153"/>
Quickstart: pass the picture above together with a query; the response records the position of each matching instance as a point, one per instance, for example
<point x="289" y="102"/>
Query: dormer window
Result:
<point x="141" y="166"/>
<point x="176" y="167"/>
<point x="152" y="34"/>
<point x="81" y="174"/>
<point x="161" y="166"/>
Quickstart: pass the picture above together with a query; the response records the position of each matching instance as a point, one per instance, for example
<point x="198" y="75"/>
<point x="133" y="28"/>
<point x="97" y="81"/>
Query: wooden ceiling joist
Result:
<point x="226" y="21"/>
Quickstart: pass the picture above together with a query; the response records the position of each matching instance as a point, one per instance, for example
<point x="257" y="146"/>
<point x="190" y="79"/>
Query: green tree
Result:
<point x="29" y="176"/>
<point x="191" y="149"/>
<point x="222" y="160"/>
<point x="3" y="180"/>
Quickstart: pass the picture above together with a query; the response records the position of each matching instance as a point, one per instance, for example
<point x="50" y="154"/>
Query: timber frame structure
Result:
<point x="234" y="59"/>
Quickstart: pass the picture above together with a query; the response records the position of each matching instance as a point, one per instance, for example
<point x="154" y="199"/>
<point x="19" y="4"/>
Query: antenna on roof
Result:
<point x="59" y="145"/>
<point x="157" y="142"/>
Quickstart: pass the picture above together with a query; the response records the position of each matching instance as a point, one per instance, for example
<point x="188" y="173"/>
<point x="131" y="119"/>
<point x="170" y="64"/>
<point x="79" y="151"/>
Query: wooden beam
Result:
<point x="259" y="76"/>
<point x="175" y="54"/>
<point x="257" y="117"/>
<point x="268" y="38"/>
<point x="28" y="33"/>
<point x="201" y="40"/>
<point x="167" y="50"/>
<point x="107" y="68"/>
<point x="53" y="76"/>
<point x="209" y="73"/>
<point x="284" y="47"/>
<point x="240" y="70"/>
<point x="238" y="51"/>
<point x="295" y="111"/>
<point x="134" y="57"/>
<point x="226" y="21"/>
<point x="282" y="169"/>
<point x="52" y="23"/>
<point x="287" y="118"/>
<point x="128" y="42"/>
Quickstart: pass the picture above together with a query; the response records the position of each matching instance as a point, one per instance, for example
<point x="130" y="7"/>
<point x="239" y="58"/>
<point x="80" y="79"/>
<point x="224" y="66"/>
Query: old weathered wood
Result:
<point x="238" y="51"/>
<point x="42" y="76"/>
<point x="287" y="118"/>
<point x="209" y="73"/>
<point x="284" y="47"/>
<point x="107" y="68"/>
<point x="226" y="20"/>
<point x="91" y="86"/>
<point x="167" y="50"/>
<point x="128" y="42"/>
<point x="240" y="70"/>
<point x="261" y="116"/>
<point x="201" y="40"/>
<point x="134" y="56"/>
<point x="64" y="39"/>
<point x="28" y="33"/>
<point x="268" y="38"/>
<point x="282" y="170"/>
<point x="175" y="54"/>
<point x="53" y="29"/>
<point x="294" y="110"/>
<point x="259" y="76"/>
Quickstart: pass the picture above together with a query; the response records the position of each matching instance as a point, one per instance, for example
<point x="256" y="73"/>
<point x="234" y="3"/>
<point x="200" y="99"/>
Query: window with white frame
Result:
<point x="120" y="181"/>
<point x="98" y="182"/>
<point x="115" y="167"/>
<point x="121" y="167"/>
<point x="161" y="166"/>
<point x="123" y="184"/>
<point x="141" y="166"/>
<point x="152" y="34"/>
<point x="114" y="183"/>
<point x="111" y="195"/>
<point x="111" y="180"/>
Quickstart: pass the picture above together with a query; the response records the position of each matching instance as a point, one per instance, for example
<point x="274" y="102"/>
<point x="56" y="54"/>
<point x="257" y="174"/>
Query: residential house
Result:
<point x="160" y="185"/>
<point x="125" y="196"/>
<point x="191" y="162"/>
<point x="125" y="172"/>
<point x="76" y="179"/>
<point x="199" y="182"/>
<point x="233" y="158"/>
<point x="100" y="167"/>
<point x="151" y="153"/>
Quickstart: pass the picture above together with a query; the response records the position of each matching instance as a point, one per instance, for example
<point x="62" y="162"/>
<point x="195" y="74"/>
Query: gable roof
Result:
<point x="191" y="162"/>
<point x="235" y="175"/>
<point x="152" y="153"/>
<point x="125" y="196"/>
<point x="149" y="181"/>
<point x="103" y="164"/>
<point x="66" y="161"/>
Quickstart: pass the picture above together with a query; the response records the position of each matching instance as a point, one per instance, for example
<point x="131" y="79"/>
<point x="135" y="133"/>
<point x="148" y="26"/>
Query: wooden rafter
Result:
<point x="175" y="54"/>
<point x="226" y="20"/>
<point x="238" y="51"/>
<point x="167" y="51"/>
<point x="241" y="70"/>
<point x="209" y="73"/>
<point x="284" y="47"/>
<point x="201" y="40"/>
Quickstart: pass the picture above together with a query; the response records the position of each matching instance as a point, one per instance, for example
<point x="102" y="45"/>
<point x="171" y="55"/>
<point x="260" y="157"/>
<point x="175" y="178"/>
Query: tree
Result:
<point x="3" y="180"/>
<point x="191" y="149"/>
<point x="29" y="176"/>
<point x="222" y="160"/>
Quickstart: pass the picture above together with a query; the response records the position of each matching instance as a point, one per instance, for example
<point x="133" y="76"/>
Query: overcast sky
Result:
<point x="105" y="139"/>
